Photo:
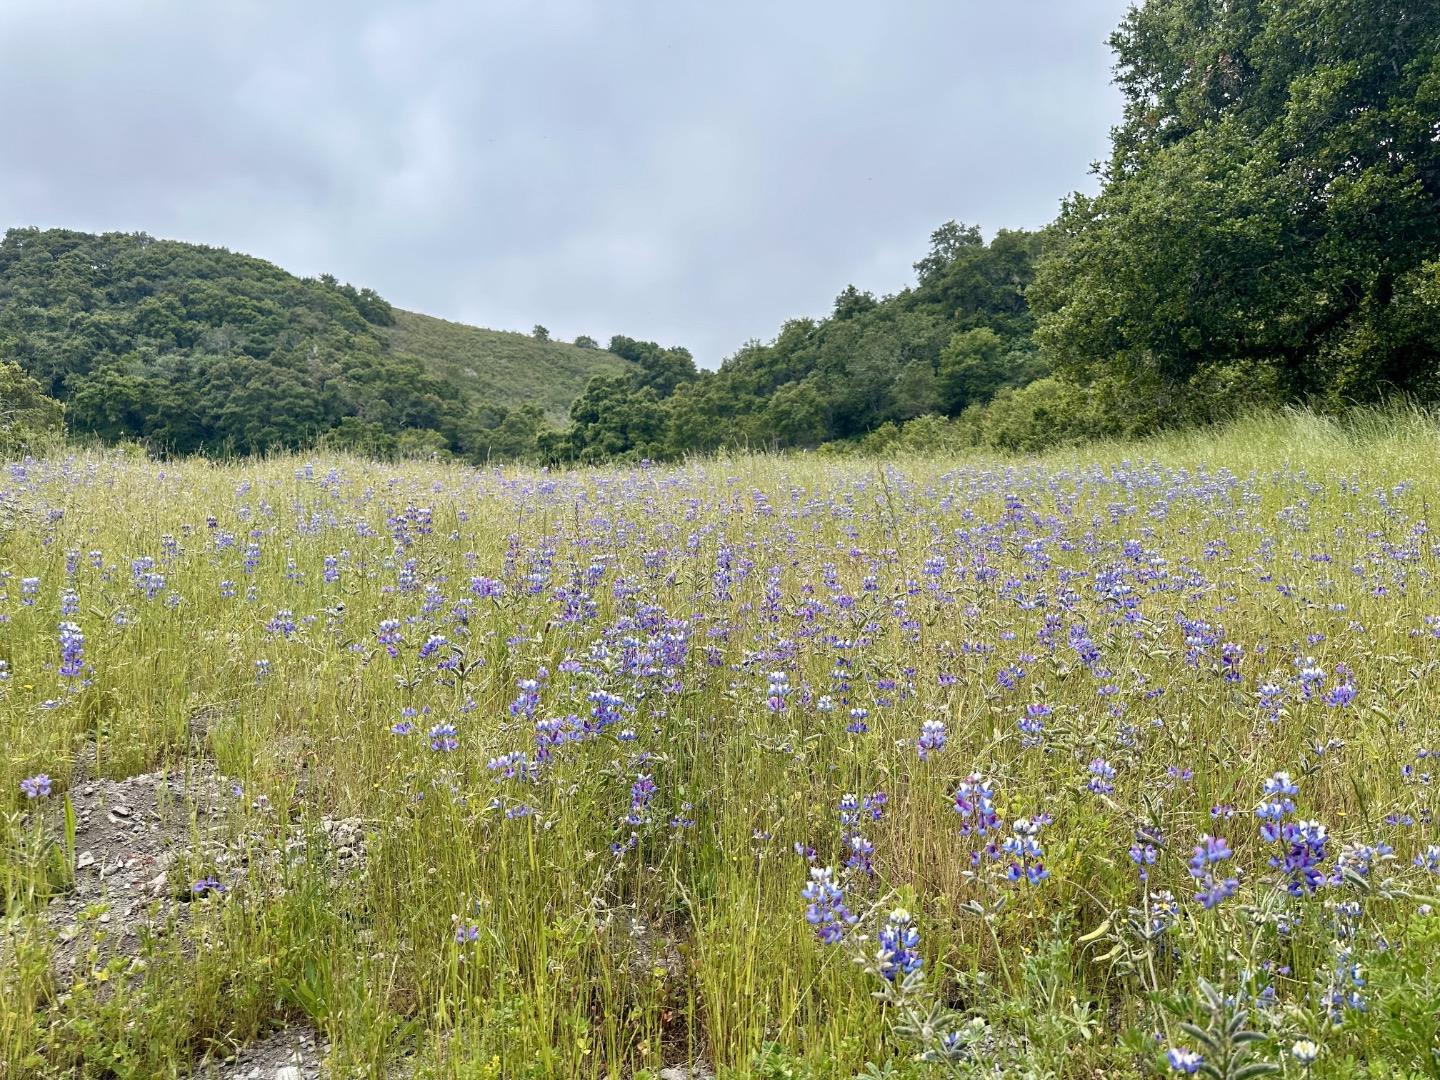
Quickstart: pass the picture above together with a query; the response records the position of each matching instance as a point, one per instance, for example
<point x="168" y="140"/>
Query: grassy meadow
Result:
<point x="1112" y="763"/>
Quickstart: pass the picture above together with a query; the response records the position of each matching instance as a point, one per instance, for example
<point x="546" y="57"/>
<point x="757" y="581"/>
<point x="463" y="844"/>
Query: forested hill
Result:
<point x="957" y="338"/>
<point x="195" y="348"/>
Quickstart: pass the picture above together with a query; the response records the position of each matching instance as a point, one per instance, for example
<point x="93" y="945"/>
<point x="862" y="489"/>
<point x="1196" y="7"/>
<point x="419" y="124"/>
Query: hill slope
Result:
<point x="497" y="365"/>
<point x="199" y="349"/>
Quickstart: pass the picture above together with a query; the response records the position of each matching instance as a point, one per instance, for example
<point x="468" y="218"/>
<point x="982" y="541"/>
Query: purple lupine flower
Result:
<point x="932" y="738"/>
<point x="408" y="715"/>
<point x="1032" y="725"/>
<point x="1305" y="844"/>
<point x="826" y="910"/>
<point x="779" y="688"/>
<point x="642" y="791"/>
<point x="899" y="943"/>
<point x="529" y="698"/>
<point x="1102" y="776"/>
<point x="1164" y="912"/>
<point x="606" y="709"/>
<point x="1346" y="983"/>
<point x="487" y="588"/>
<point x="388" y="635"/>
<point x="282" y="623"/>
<point x="1211" y="851"/>
<point x="1271" y="697"/>
<point x="513" y="766"/>
<point x="553" y="733"/>
<point x="1183" y="1060"/>
<point x="1230" y="656"/>
<point x="1027" y="857"/>
<point x="72" y="651"/>
<point x="860" y="855"/>
<point x="35" y="787"/>
<point x="1311" y="676"/>
<point x="1276" y="805"/>
<point x="1341" y="696"/>
<point x="975" y="803"/>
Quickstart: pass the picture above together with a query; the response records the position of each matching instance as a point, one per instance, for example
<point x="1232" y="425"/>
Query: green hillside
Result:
<point x="196" y="349"/>
<point x="497" y="365"/>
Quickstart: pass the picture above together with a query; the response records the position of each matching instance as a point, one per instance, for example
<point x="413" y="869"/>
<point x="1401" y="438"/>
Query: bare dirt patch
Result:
<point x="137" y="841"/>
<point x="149" y="849"/>
<point x="291" y="1053"/>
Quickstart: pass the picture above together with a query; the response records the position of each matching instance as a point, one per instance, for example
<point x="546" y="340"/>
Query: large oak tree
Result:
<point x="1271" y="204"/>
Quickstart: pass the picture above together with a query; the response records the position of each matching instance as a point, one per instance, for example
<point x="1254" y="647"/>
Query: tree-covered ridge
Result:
<point x="952" y="340"/>
<point x="957" y="337"/>
<point x="199" y="349"/>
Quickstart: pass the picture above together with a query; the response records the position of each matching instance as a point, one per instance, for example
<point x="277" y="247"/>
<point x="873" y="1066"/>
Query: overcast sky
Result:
<point x="689" y="172"/>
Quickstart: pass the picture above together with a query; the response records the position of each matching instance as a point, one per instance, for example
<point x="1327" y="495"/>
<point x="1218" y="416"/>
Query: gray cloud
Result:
<point x="669" y="169"/>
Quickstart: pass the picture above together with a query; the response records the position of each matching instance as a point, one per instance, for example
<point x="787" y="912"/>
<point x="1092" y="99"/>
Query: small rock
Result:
<point x="289" y="1072"/>
<point x="84" y="859"/>
<point x="121" y="810"/>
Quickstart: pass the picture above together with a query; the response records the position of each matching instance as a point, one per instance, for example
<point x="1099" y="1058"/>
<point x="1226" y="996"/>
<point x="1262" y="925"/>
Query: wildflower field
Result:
<point x="1110" y="764"/>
